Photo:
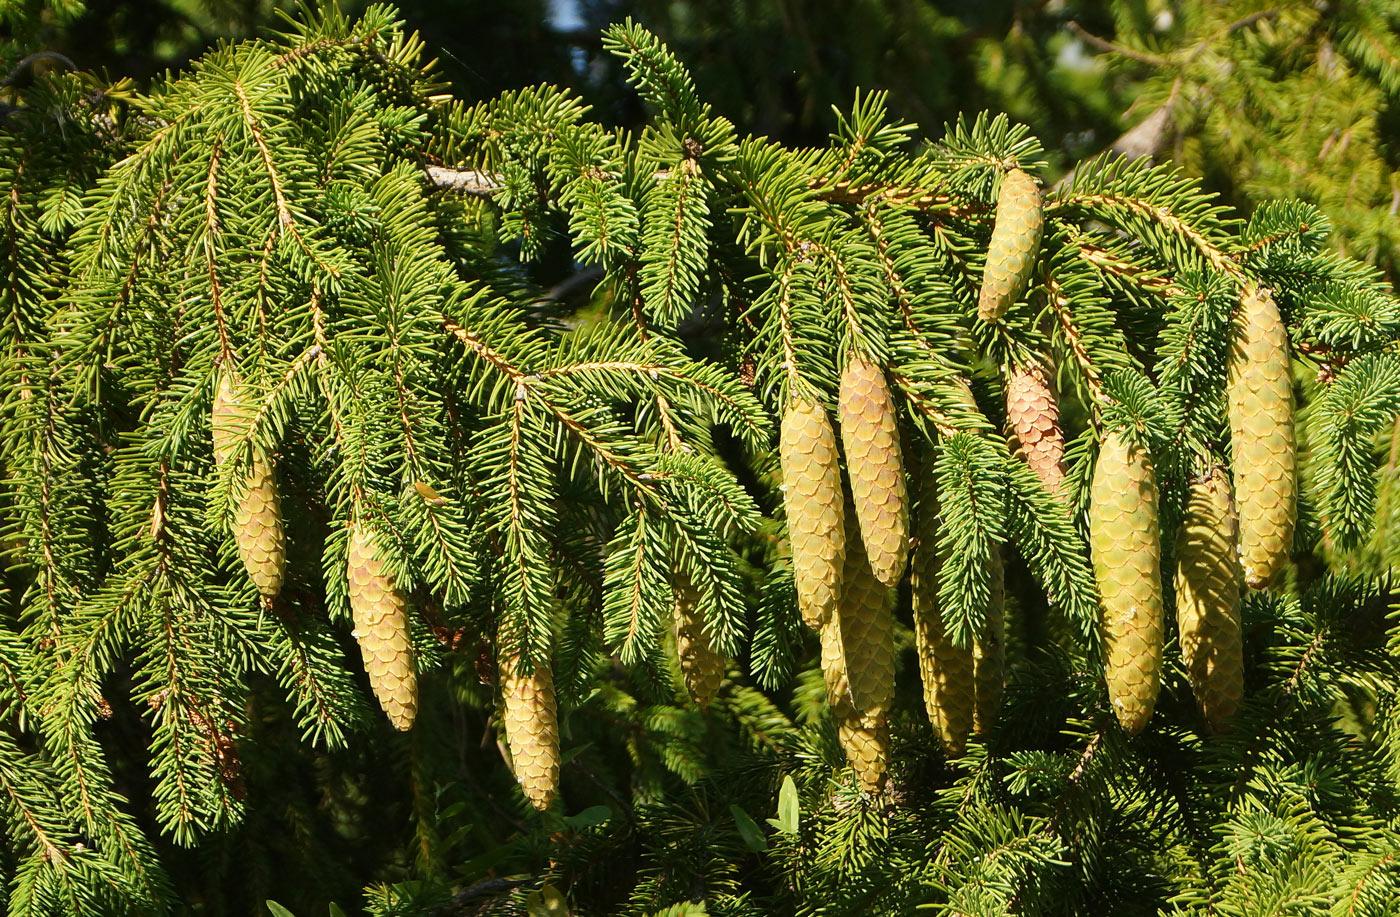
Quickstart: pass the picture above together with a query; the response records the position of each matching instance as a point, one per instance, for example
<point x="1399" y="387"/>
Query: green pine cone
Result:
<point x="945" y="669"/>
<point x="225" y="418"/>
<point x="1208" y="599"/>
<point x="702" y="668"/>
<point x="875" y="466"/>
<point x="1261" y="431"/>
<point x="380" y="614"/>
<point x="1015" y="243"/>
<point x="813" y="501"/>
<point x="531" y="722"/>
<point x="1124" y="544"/>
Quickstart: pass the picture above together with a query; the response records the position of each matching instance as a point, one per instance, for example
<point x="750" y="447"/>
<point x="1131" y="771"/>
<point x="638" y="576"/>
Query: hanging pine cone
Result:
<point x="1123" y="540"/>
<point x="1208" y="599"/>
<point x="1015" y="242"/>
<point x="1261" y="432"/>
<point x="1033" y="422"/>
<point x="989" y="651"/>
<point x="257" y="515"/>
<point x="702" y="668"/>
<point x="865" y="738"/>
<point x="870" y="435"/>
<point x="867" y="628"/>
<point x="833" y="660"/>
<point x="257" y="528"/>
<point x="532" y="728"/>
<point x="944" y="668"/>
<point x="380" y="614"/>
<point x="225" y="419"/>
<point x="813" y="501"/>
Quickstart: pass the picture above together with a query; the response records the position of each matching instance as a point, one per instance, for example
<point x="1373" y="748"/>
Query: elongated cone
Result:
<point x="380" y="613"/>
<point x="867" y="629"/>
<point x="532" y="728"/>
<point x="870" y="435"/>
<point x="812" y="498"/>
<point x="1033" y="422"/>
<point x="1261" y="431"/>
<point x="225" y="421"/>
<point x="1208" y="599"/>
<point x="865" y="738"/>
<point x="702" y="668"/>
<point x="1123" y="541"/>
<point x="1015" y="242"/>
<point x="257" y="515"/>
<point x="257" y="528"/>
<point x="989" y="651"/>
<point x="944" y="667"/>
<point x="838" y="683"/>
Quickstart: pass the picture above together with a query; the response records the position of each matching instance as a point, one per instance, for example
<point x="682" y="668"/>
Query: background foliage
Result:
<point x="1057" y="813"/>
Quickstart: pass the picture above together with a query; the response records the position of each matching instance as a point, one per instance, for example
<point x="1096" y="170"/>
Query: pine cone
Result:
<point x="1123" y="540"/>
<point x="870" y="435"/>
<point x="1208" y="599"/>
<point x="257" y="528"/>
<point x="989" y="651"/>
<point x="834" y="673"/>
<point x="380" y="613"/>
<point x="867" y="628"/>
<point x="1261" y="430"/>
<point x="944" y="668"/>
<point x="1014" y="245"/>
<point x="532" y="728"/>
<point x="701" y="666"/>
<point x="812" y="498"/>
<point x="1033" y="423"/>
<point x="225" y="419"/>
<point x="865" y="738"/>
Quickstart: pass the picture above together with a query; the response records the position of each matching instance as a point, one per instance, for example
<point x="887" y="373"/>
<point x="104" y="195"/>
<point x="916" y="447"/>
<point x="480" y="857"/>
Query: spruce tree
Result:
<point x="341" y="554"/>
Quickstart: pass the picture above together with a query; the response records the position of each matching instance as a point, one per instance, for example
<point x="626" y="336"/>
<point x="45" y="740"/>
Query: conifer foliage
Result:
<point x="297" y="456"/>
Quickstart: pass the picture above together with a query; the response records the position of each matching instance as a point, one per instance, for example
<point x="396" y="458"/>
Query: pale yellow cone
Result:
<point x="1262" y="437"/>
<point x="701" y="667"/>
<point x="867" y="629"/>
<point x="875" y="466"/>
<point x="1124" y="544"/>
<point x="945" y="669"/>
<point x="257" y="528"/>
<point x="380" y="613"/>
<point x="812" y="497"/>
<point x="1208" y="599"/>
<point x="532" y="728"/>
